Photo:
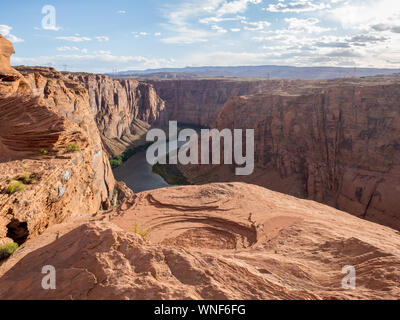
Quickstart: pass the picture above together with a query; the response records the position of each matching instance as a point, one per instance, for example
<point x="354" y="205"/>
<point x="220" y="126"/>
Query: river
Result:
<point x="137" y="173"/>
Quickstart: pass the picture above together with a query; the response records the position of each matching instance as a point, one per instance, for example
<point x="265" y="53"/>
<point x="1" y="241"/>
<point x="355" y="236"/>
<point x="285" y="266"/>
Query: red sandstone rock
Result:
<point x="337" y="143"/>
<point x="124" y="110"/>
<point x="11" y="81"/>
<point x="218" y="241"/>
<point x="200" y="101"/>
<point x="47" y="111"/>
<point x="6" y="71"/>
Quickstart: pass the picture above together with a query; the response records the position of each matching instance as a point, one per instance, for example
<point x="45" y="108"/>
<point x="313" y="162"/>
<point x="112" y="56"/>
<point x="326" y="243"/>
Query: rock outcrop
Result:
<point x="11" y="80"/>
<point x="218" y="241"/>
<point x="50" y="147"/>
<point x="7" y="73"/>
<point x="337" y="144"/>
<point x="124" y="110"/>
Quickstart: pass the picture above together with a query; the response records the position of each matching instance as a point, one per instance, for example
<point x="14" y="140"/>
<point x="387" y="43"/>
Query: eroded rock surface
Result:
<point x="335" y="144"/>
<point x="43" y="114"/>
<point x="11" y="80"/>
<point x="218" y="241"/>
<point x="124" y="110"/>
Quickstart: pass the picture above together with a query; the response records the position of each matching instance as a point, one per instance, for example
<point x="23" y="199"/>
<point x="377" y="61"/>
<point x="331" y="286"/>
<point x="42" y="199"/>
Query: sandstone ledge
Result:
<point x="218" y="241"/>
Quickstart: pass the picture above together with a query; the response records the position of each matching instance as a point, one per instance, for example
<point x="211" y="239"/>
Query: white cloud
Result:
<point x="121" y="12"/>
<point x="209" y="20"/>
<point x="308" y="25"/>
<point x="181" y="19"/>
<point x="362" y="39"/>
<point x="218" y="29"/>
<point x="362" y="14"/>
<point x="74" y="38"/>
<point x="255" y="26"/>
<point x="297" y="6"/>
<point x="140" y="34"/>
<point x="6" y="32"/>
<point x="103" y="53"/>
<point x="236" y="6"/>
<point x="67" y="48"/>
<point x="14" y="39"/>
<point x="102" y="38"/>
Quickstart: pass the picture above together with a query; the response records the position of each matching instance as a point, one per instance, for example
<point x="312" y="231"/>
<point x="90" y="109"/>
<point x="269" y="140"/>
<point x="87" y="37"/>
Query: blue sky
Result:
<point x="100" y="36"/>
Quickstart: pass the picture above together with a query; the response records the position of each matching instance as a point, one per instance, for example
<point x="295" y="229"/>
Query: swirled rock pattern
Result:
<point x="217" y="241"/>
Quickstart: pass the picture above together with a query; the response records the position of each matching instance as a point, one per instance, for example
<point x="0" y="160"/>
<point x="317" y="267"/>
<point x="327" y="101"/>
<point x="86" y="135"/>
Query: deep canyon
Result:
<point x="326" y="142"/>
<point x="332" y="141"/>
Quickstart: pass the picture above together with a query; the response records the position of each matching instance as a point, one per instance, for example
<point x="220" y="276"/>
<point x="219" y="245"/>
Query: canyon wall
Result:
<point x="51" y="148"/>
<point x="200" y="101"/>
<point x="124" y="109"/>
<point x="214" y="241"/>
<point x="340" y="146"/>
<point x="333" y="141"/>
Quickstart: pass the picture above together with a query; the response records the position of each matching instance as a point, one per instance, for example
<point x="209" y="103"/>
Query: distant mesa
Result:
<point x="266" y="71"/>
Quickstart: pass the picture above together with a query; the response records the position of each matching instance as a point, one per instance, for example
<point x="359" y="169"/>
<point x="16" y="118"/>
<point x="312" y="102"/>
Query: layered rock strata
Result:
<point x="200" y="101"/>
<point x="124" y="110"/>
<point x="51" y="148"/>
<point x="337" y="144"/>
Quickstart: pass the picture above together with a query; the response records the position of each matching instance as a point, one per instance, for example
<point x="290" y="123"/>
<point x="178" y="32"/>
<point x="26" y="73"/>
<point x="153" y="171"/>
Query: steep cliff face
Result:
<point x="200" y="101"/>
<point x="124" y="109"/>
<point x="51" y="148"/>
<point x="339" y="146"/>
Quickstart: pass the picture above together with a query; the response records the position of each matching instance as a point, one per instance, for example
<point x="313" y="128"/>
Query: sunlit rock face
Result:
<point x="216" y="241"/>
<point x="43" y="114"/>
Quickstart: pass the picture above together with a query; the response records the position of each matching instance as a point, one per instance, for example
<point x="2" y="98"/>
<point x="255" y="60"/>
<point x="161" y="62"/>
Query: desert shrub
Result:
<point x="15" y="186"/>
<point x="73" y="147"/>
<point x="118" y="160"/>
<point x="43" y="152"/>
<point x="7" y="250"/>
<point x="143" y="233"/>
<point x="27" y="178"/>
